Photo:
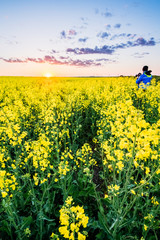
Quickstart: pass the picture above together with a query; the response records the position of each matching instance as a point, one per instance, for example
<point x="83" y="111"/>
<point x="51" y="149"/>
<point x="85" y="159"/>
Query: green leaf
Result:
<point x="47" y="219"/>
<point x="26" y="222"/>
<point x="5" y="227"/>
<point x="101" y="221"/>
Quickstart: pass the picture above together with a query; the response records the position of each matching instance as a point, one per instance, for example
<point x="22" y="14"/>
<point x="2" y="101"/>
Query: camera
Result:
<point x="138" y="75"/>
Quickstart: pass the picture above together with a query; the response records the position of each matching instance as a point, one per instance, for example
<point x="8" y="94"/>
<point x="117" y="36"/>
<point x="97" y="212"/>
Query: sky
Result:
<point x="79" y="37"/>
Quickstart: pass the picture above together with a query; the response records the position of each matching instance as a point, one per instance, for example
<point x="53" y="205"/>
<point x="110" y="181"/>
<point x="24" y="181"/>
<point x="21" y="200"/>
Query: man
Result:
<point x="144" y="79"/>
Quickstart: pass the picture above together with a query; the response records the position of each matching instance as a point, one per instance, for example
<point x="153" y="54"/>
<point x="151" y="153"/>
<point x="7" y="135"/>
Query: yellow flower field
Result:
<point x="79" y="159"/>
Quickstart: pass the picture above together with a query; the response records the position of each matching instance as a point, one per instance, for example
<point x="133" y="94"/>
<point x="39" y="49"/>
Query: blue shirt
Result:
<point x="144" y="80"/>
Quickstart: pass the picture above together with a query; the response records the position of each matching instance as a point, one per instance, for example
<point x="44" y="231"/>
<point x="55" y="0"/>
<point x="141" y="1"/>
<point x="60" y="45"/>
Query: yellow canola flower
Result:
<point x="43" y="180"/>
<point x="119" y="154"/>
<point x="145" y="227"/>
<point x="4" y="194"/>
<point x="136" y="164"/>
<point x="63" y="168"/>
<point x="147" y="170"/>
<point x="74" y="227"/>
<point x="133" y="192"/>
<point x="124" y="143"/>
<point x="69" y="200"/>
<point x="116" y="187"/>
<point x="158" y="171"/>
<point x="142" y="181"/>
<point x="154" y="201"/>
<point x="149" y="217"/>
<point x="36" y="180"/>
<point x="120" y="165"/>
<point x="72" y="218"/>
<point x="54" y="236"/>
<point x="64" y="231"/>
<point x="2" y="180"/>
<point x="27" y="232"/>
<point x="106" y="196"/>
<point x="7" y="183"/>
<point x="81" y="236"/>
<point x="85" y="220"/>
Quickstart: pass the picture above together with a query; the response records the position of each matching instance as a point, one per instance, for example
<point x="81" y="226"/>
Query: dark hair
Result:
<point x="145" y="68"/>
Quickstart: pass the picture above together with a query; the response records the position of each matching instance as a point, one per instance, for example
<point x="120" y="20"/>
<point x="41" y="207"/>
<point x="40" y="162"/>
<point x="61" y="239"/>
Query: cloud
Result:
<point x="84" y="22"/>
<point x="142" y="42"/>
<point x="96" y="11"/>
<point x="123" y="35"/>
<point x="139" y="42"/>
<point x="63" y="58"/>
<point x="108" y="26"/>
<point x="52" y="60"/>
<point x="103" y="35"/>
<point x="85" y="63"/>
<point x="118" y="25"/>
<point x="13" y="60"/>
<point x="63" y="34"/>
<point x="106" y="50"/>
<point x="11" y="41"/>
<point x="140" y="55"/>
<point x="36" y="60"/>
<point x="107" y="13"/>
<point x="54" y="51"/>
<point x="72" y="32"/>
<point x="68" y="35"/>
<point x="40" y="50"/>
<point x="103" y="50"/>
<point x="105" y="60"/>
<point x="131" y="36"/>
<point x="83" y="39"/>
<point x="111" y="49"/>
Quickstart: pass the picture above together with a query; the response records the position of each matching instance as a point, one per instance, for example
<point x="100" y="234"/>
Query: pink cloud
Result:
<point x="52" y="60"/>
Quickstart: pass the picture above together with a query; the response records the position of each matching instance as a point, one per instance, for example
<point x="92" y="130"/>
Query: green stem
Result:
<point x="64" y="188"/>
<point x="41" y="213"/>
<point x="16" y="225"/>
<point x="156" y="238"/>
<point x="120" y="206"/>
<point x="34" y="195"/>
<point x="128" y="175"/>
<point x="104" y="172"/>
<point x="101" y="209"/>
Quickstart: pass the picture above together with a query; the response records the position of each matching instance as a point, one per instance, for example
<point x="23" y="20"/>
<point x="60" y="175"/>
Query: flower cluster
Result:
<point x="72" y="220"/>
<point x="7" y="183"/>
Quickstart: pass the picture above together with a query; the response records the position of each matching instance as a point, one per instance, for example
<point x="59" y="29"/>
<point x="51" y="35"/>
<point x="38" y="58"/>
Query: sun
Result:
<point x="48" y="75"/>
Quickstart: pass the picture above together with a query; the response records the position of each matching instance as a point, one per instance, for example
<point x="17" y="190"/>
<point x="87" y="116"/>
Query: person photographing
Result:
<point x="144" y="79"/>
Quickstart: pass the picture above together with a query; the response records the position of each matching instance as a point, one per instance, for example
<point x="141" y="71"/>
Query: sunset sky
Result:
<point x="79" y="37"/>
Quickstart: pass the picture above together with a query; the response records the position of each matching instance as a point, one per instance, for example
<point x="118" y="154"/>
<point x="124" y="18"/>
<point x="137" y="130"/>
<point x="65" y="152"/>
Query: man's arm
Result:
<point x="139" y="79"/>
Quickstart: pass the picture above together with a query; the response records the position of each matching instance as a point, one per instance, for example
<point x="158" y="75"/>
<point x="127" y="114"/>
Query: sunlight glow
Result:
<point x="47" y="75"/>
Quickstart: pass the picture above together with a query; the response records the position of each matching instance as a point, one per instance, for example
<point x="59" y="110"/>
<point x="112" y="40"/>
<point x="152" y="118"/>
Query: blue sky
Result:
<point x="79" y="38"/>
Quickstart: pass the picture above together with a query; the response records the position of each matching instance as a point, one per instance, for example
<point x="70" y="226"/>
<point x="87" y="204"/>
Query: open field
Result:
<point x="79" y="159"/>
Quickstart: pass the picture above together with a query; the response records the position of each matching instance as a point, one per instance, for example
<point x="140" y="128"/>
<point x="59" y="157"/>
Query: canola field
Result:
<point x="79" y="159"/>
